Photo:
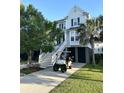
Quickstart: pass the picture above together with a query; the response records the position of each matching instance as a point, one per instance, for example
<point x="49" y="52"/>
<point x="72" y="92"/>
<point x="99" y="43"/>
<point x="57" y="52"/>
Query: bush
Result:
<point x="31" y="68"/>
<point x="99" y="58"/>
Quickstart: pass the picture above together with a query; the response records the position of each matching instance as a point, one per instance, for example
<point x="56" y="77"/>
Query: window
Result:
<point x="77" y="38"/>
<point x="62" y="26"/>
<point x="98" y="50"/>
<point x="59" y="25"/>
<point x="75" y="21"/>
<point x="72" y="38"/>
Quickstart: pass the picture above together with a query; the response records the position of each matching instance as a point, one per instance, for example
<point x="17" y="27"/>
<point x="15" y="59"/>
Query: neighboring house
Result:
<point x="98" y="48"/>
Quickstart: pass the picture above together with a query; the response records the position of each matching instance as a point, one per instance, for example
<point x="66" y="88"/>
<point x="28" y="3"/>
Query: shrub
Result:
<point x="99" y="58"/>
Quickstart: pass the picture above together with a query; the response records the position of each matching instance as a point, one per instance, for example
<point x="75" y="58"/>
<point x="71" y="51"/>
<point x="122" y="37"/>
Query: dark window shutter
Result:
<point x="62" y="26"/>
<point x="71" y="22"/>
<point x="78" y="20"/>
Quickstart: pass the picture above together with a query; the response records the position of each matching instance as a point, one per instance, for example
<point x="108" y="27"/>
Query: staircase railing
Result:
<point x="58" y="52"/>
<point x="48" y="59"/>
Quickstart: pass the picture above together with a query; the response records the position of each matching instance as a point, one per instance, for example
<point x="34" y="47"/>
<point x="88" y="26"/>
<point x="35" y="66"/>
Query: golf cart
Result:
<point x="62" y="63"/>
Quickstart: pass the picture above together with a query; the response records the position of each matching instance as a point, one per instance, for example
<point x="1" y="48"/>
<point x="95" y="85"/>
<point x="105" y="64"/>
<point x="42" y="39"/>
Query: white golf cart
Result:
<point x="61" y="62"/>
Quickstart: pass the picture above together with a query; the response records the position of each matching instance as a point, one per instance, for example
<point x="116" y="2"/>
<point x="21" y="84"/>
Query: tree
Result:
<point x="31" y="30"/>
<point x="36" y="33"/>
<point x="100" y="26"/>
<point x="52" y="35"/>
<point x="88" y="31"/>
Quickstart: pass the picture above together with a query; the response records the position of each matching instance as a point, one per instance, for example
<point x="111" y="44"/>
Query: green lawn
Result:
<point x="86" y="80"/>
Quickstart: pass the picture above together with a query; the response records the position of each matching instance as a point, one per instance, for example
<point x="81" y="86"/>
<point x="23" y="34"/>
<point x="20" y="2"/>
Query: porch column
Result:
<point x="65" y="35"/>
<point x="76" y="54"/>
<point x="87" y="55"/>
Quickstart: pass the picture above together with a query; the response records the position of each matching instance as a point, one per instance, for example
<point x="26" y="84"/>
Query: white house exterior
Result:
<point x="98" y="48"/>
<point x="69" y="24"/>
<point x="70" y="40"/>
<point x="75" y="17"/>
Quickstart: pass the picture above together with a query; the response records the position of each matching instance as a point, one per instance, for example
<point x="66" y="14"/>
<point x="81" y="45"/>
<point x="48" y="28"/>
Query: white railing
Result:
<point x="58" y="52"/>
<point x="40" y="57"/>
<point x="48" y="59"/>
<point x="45" y="60"/>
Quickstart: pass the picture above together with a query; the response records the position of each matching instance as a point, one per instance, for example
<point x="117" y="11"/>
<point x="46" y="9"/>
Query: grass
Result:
<point x="86" y="80"/>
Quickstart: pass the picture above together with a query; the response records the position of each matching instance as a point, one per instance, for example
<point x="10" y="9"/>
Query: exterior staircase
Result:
<point x="48" y="59"/>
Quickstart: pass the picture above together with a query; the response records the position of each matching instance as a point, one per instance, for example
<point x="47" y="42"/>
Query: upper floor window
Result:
<point x="77" y="38"/>
<point x="98" y="50"/>
<point x="62" y="26"/>
<point x="75" y="21"/>
<point x="59" y="25"/>
<point x="72" y="38"/>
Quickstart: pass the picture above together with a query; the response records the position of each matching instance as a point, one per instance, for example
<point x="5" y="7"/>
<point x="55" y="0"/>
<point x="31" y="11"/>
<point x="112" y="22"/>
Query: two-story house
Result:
<point x="69" y="24"/>
<point x="70" y="40"/>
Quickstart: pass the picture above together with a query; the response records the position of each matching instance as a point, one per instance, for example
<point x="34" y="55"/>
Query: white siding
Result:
<point x="75" y="13"/>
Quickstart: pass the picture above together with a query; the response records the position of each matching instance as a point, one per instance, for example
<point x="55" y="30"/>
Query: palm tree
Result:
<point x="100" y="26"/>
<point x="88" y="31"/>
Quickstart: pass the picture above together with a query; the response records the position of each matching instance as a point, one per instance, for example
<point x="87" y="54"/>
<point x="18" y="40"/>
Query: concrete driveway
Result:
<point x="45" y="80"/>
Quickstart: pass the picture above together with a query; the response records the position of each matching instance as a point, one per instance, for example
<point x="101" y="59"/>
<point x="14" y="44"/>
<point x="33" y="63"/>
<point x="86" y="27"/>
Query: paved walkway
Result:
<point x="45" y="80"/>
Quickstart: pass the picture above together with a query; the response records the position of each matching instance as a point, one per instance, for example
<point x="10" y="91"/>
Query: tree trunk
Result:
<point x="93" y="55"/>
<point x="30" y="57"/>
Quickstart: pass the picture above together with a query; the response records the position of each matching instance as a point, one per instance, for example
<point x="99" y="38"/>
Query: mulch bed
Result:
<point x="30" y="70"/>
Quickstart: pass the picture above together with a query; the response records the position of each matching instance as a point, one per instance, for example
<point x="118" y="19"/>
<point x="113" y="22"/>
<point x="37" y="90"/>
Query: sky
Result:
<point x="58" y="9"/>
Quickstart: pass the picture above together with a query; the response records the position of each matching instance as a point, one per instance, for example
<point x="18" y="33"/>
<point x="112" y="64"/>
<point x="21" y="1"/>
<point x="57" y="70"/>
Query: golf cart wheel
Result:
<point x="63" y="68"/>
<point x="55" y="67"/>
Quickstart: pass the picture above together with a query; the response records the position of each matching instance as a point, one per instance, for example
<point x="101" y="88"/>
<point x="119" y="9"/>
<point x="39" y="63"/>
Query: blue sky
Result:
<point x="58" y="9"/>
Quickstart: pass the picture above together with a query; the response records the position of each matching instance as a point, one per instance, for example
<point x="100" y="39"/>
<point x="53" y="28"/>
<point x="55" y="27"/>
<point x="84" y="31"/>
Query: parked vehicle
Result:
<point x="62" y="63"/>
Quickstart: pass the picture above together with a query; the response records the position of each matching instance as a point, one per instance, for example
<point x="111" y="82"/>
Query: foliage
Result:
<point x="36" y="33"/>
<point x="31" y="28"/>
<point x="99" y="58"/>
<point x="89" y="31"/>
